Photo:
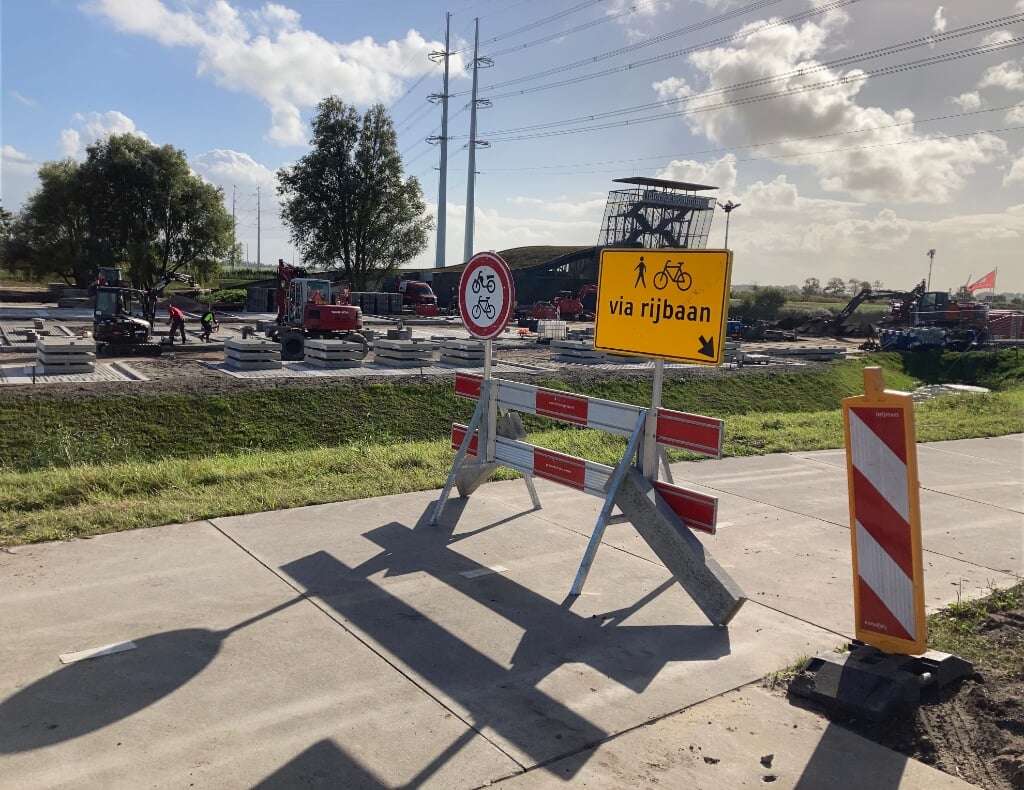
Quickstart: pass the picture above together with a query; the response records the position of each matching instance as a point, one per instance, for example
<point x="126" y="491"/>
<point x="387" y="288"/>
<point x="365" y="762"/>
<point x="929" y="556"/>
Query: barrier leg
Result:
<point x="602" y="520"/>
<point x="459" y="457"/>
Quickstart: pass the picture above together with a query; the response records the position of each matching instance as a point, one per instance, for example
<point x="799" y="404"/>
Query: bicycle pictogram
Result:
<point x="673" y="272"/>
<point x="483" y="306"/>
<point x="479" y="282"/>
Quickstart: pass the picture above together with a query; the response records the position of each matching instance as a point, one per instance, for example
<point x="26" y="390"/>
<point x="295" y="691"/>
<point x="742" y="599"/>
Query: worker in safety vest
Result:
<point x="176" y="319"/>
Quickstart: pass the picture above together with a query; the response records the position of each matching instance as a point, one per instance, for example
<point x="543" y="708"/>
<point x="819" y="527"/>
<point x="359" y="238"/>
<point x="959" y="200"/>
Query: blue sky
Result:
<point x="851" y="166"/>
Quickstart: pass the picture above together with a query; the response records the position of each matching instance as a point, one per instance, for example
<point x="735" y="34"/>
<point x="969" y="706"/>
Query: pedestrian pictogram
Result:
<point x="885" y="518"/>
<point x="486" y="295"/>
<point x="664" y="303"/>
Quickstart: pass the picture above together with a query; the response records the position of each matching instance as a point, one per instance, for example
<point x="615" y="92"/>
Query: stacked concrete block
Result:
<point x="817" y="354"/>
<point x="575" y="351"/>
<point x="55" y="356"/>
<point x="465" y="353"/>
<point x="404" y="353"/>
<point x="252" y="354"/>
<point x="333" y="353"/>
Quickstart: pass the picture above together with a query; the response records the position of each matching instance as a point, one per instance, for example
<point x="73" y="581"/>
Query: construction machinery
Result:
<point x="902" y="305"/>
<point x="579" y="306"/>
<point x="307" y="308"/>
<point x="123" y="317"/>
<point x="418" y="296"/>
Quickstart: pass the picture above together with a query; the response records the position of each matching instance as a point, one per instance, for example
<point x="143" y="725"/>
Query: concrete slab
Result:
<point x="790" y="563"/>
<point x="814" y="485"/>
<point x="941" y="468"/>
<point x="353" y="645"/>
<point x="235" y="679"/>
<point x="102" y="371"/>
<point x="539" y="673"/>
<point x="746" y="738"/>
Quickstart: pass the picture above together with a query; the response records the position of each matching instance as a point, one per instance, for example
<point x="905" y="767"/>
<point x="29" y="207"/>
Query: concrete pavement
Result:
<point x="353" y="645"/>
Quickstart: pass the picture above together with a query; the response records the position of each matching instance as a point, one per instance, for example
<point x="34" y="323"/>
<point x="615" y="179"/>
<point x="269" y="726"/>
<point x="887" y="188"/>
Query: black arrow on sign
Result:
<point x="707" y="347"/>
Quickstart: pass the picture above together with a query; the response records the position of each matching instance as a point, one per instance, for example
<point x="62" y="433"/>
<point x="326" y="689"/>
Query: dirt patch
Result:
<point x="972" y="729"/>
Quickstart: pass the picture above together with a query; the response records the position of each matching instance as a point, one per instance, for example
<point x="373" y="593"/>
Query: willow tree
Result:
<point x="346" y="202"/>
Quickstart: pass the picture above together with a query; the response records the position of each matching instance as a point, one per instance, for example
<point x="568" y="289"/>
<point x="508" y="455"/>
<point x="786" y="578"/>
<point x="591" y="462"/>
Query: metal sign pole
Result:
<point x="649" y="462"/>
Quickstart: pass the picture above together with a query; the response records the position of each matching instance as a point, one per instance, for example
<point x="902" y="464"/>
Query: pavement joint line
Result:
<point x="968" y="499"/>
<point x="631" y="729"/>
<point x="322" y="607"/>
<point x="799" y="619"/>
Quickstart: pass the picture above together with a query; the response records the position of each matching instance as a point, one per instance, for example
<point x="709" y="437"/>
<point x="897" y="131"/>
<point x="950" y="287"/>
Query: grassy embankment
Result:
<point x="85" y="467"/>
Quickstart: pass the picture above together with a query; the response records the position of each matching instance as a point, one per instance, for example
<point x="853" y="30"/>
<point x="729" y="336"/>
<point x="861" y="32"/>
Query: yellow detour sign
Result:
<point x="665" y="303"/>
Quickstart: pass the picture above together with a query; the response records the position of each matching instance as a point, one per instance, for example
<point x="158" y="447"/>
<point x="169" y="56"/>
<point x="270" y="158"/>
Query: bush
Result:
<point x="762" y="304"/>
<point x="229" y="296"/>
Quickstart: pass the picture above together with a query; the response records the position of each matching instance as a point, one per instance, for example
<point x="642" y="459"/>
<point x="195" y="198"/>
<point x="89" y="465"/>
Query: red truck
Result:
<point x="419" y="296"/>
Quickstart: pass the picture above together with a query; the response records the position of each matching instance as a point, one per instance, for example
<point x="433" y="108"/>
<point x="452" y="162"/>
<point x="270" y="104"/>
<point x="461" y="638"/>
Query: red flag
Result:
<point x="988" y="281"/>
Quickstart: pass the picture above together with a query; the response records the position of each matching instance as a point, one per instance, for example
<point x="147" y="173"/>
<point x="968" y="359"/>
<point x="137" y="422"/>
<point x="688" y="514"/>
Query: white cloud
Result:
<point x="1016" y="173"/>
<point x="226" y="168"/>
<point x="938" y="21"/>
<point x="18" y="180"/>
<point x="883" y="164"/>
<point x="267" y="53"/>
<point x="563" y="207"/>
<point x="1015" y="114"/>
<point x="996" y="37"/>
<point x="1008" y="75"/>
<point x="16" y="161"/>
<point x="94" y="127"/>
<point x="968" y="101"/>
<point x="23" y="99"/>
<point x="70" y="143"/>
<point x="672" y="88"/>
<point x="720" y="173"/>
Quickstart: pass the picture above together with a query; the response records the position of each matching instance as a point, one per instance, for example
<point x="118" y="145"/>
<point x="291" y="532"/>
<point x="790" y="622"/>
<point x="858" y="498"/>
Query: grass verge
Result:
<point x="959" y="629"/>
<point x="88" y="499"/>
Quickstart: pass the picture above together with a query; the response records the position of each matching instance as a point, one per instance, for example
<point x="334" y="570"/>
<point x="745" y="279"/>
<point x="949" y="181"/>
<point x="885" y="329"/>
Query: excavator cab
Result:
<point x="119" y="320"/>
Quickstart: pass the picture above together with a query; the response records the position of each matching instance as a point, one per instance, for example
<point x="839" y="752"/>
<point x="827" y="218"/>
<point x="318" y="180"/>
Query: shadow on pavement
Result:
<point x="85" y="696"/>
<point x="322" y="765"/>
<point x="835" y="764"/>
<point x="497" y="691"/>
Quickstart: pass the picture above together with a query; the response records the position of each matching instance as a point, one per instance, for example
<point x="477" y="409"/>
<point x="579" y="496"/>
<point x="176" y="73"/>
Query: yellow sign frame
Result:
<point x="682" y="313"/>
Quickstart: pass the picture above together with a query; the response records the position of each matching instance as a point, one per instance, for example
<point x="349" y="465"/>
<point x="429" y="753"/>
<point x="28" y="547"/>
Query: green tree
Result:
<point x="129" y="203"/>
<point x="834" y="287"/>
<point x="811" y="287"/>
<point x="52" y="233"/>
<point x="762" y="304"/>
<point x="151" y="211"/>
<point x="346" y="202"/>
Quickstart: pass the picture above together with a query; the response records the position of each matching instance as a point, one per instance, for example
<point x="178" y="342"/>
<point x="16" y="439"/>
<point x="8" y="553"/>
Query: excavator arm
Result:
<point x="155" y="291"/>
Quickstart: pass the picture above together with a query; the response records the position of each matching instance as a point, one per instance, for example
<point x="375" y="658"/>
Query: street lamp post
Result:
<point x="728" y="207"/>
<point x="931" y="260"/>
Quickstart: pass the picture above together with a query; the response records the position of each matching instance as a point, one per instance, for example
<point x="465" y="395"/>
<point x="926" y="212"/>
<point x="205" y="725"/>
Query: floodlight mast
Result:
<point x="728" y="207"/>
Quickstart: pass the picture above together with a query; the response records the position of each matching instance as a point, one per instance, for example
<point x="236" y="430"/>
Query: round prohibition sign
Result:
<point x="486" y="295"/>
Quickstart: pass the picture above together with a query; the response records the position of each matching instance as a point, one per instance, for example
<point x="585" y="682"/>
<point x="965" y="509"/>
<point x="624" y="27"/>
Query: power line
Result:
<point x="508" y="135"/>
<point x="539" y="23"/>
<point x="722" y="40"/>
<point x="727" y="149"/>
<point x="585" y="26"/>
<point x="801" y="71"/>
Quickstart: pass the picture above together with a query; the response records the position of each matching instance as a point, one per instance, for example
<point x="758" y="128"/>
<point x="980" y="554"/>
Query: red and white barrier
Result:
<point x="693" y="432"/>
<point x="885" y="519"/>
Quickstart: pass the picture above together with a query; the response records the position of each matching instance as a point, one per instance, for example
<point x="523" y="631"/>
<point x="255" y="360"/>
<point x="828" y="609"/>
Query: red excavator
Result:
<point x="307" y="308"/>
<point x="579" y="307"/>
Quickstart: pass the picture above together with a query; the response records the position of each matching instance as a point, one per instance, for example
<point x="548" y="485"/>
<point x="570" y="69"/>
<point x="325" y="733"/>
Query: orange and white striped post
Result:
<point x="885" y="518"/>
